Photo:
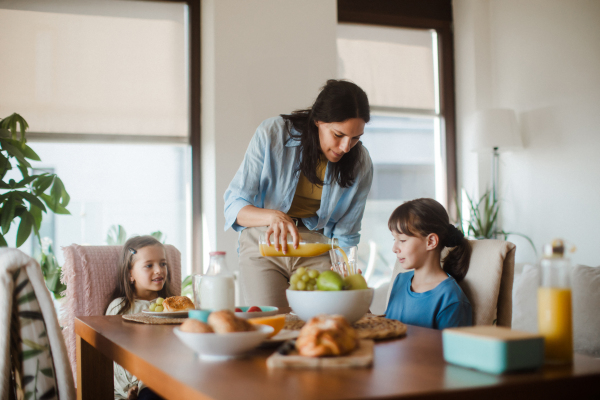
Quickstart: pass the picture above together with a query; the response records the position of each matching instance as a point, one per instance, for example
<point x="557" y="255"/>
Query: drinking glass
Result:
<point x="339" y="264"/>
<point x="196" y="279"/>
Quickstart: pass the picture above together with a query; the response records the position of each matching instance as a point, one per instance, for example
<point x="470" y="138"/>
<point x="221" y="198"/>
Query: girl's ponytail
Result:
<point x="456" y="262"/>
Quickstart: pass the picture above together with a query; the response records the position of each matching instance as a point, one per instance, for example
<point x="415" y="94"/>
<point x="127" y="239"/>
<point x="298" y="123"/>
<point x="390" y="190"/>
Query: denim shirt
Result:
<point x="267" y="179"/>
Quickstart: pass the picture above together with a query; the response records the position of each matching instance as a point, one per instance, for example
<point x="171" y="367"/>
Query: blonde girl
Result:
<point x="143" y="277"/>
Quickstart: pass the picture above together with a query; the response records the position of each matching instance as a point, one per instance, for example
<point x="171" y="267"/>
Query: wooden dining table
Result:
<point x="411" y="367"/>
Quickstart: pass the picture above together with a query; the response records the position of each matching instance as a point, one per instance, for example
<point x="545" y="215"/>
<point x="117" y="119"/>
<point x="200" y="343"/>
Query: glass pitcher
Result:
<point x="311" y="244"/>
<point x="216" y="289"/>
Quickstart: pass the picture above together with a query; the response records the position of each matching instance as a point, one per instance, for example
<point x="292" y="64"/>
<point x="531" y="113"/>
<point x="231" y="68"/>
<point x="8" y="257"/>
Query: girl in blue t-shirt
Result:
<point x="428" y="295"/>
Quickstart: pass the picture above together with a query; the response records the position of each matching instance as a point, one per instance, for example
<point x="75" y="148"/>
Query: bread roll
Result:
<point x="177" y="303"/>
<point x="195" y="326"/>
<point x="225" y="321"/>
<point x="326" y="335"/>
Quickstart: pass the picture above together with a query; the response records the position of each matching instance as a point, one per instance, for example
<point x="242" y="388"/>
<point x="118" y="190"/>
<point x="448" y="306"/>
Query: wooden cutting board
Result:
<point x="361" y="357"/>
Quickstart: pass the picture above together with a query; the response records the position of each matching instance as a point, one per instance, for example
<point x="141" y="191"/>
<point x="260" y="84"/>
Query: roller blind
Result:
<point x="395" y="66"/>
<point x="95" y="67"/>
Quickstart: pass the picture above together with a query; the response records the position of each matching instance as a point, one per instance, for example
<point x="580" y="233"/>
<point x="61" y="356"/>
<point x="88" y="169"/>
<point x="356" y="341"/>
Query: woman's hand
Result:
<point x="280" y="225"/>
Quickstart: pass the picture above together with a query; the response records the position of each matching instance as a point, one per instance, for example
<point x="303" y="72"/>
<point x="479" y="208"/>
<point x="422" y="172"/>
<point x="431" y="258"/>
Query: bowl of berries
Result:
<point x="312" y="293"/>
<point x="255" y="311"/>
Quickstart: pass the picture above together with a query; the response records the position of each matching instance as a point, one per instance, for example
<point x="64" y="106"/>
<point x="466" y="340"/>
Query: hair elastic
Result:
<point x="133" y="251"/>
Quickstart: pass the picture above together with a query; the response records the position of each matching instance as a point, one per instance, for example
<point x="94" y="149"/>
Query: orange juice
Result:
<point x="303" y="250"/>
<point x="555" y="323"/>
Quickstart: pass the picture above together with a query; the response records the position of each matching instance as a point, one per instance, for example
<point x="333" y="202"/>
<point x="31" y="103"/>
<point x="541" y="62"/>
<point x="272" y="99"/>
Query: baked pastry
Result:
<point x="326" y="335"/>
<point x="195" y="326"/>
<point x="177" y="303"/>
<point x="225" y="321"/>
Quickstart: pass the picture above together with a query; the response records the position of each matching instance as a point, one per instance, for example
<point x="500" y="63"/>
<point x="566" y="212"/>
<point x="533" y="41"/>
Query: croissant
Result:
<point x="177" y="303"/>
<point x="326" y="335"/>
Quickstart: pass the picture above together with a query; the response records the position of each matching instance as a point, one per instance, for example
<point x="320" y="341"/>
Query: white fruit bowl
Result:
<point x="223" y="346"/>
<point x="352" y="304"/>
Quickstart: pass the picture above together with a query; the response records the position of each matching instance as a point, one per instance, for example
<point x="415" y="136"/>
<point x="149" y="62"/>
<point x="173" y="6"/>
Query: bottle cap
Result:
<point x="216" y="253"/>
<point x="555" y="249"/>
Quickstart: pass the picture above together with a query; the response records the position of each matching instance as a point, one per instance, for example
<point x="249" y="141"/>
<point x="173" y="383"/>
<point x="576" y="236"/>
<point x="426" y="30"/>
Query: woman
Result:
<point x="304" y="171"/>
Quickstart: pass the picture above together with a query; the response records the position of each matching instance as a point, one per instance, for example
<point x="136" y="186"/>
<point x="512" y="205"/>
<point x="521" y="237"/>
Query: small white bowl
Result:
<point x="267" y="312"/>
<point x="223" y="346"/>
<point x="352" y="304"/>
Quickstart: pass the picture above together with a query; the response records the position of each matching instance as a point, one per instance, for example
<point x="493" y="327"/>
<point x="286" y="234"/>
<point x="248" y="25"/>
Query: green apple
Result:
<point x="355" y="282"/>
<point x="330" y="280"/>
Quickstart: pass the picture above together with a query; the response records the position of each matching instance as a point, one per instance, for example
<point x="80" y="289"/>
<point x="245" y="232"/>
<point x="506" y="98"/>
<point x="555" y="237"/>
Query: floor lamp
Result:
<point x="496" y="130"/>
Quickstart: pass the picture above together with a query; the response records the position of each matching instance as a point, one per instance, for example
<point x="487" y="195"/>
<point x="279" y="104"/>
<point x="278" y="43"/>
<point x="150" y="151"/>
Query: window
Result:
<point x="398" y="61"/>
<point x="104" y="87"/>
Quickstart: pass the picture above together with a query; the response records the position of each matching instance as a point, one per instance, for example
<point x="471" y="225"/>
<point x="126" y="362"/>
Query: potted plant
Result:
<point x="30" y="197"/>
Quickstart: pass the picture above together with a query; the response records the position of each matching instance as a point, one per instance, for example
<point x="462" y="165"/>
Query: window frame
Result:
<point x="435" y="15"/>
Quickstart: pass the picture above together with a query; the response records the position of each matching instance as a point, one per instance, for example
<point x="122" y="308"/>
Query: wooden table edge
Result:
<point x="153" y="377"/>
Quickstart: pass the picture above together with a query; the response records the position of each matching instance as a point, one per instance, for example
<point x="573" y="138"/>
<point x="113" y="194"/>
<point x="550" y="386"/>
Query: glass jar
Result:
<point x="215" y="290"/>
<point x="555" y="321"/>
<point x="311" y="244"/>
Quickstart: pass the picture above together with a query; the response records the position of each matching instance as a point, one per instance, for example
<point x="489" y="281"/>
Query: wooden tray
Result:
<point x="361" y="357"/>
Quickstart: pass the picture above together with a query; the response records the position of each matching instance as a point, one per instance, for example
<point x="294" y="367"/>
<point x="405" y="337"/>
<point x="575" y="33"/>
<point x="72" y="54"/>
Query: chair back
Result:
<point x="90" y="273"/>
<point x="488" y="283"/>
<point x="33" y="356"/>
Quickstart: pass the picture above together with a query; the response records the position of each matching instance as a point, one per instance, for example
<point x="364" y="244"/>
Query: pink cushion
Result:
<point x="90" y="273"/>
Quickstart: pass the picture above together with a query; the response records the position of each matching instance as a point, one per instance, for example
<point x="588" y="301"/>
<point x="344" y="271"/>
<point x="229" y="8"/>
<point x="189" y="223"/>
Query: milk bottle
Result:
<point x="216" y="289"/>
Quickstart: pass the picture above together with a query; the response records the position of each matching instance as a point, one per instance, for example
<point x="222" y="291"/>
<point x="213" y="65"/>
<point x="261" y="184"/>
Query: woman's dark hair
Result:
<point x="124" y="288"/>
<point x="421" y="217"/>
<point x="338" y="101"/>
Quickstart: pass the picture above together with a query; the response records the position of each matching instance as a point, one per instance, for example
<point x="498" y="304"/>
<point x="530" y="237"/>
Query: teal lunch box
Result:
<point x="493" y="349"/>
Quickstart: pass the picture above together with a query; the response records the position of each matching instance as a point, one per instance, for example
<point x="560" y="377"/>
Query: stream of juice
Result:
<point x="555" y="323"/>
<point x="303" y="250"/>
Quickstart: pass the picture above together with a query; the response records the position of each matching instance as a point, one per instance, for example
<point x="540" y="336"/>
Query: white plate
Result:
<point x="283" y="335"/>
<point x="167" y="314"/>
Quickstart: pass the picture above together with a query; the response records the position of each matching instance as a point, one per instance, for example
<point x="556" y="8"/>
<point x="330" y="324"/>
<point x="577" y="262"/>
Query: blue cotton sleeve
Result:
<point x="246" y="183"/>
<point x="455" y="315"/>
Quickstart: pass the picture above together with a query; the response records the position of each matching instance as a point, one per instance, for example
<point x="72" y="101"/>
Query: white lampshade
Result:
<point x="495" y="127"/>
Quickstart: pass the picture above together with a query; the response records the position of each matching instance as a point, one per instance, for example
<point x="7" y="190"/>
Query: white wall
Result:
<point x="541" y="58"/>
<point x="260" y="58"/>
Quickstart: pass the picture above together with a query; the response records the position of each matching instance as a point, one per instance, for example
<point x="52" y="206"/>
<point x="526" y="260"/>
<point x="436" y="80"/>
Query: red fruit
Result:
<point x="237" y="309"/>
<point x="254" y="309"/>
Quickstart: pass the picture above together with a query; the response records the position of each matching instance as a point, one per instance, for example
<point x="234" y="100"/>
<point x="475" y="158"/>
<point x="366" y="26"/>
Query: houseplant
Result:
<point x="483" y="219"/>
<point x="30" y="197"/>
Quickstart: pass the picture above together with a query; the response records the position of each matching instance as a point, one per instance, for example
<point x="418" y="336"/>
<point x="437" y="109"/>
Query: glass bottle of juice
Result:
<point x="216" y="289"/>
<point x="555" y="320"/>
<point x="311" y="244"/>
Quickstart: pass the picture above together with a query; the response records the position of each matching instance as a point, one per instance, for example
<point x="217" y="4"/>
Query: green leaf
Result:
<point x="4" y="133"/>
<point x="48" y="372"/>
<point x="27" y="354"/>
<point x="36" y="212"/>
<point x="29" y="153"/>
<point x="116" y="235"/>
<point x="34" y="345"/>
<point x="28" y="395"/>
<point x="8" y="213"/>
<point x="25" y="227"/>
<point x="3" y="241"/>
<point x="11" y="149"/>
<point x="50" y="394"/>
<point x="33" y="200"/>
<point x="35" y="315"/>
<point x="56" y="208"/>
<point x="20" y="286"/>
<point x="43" y="183"/>
<point x="25" y="181"/>
<point x="26" y="298"/>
